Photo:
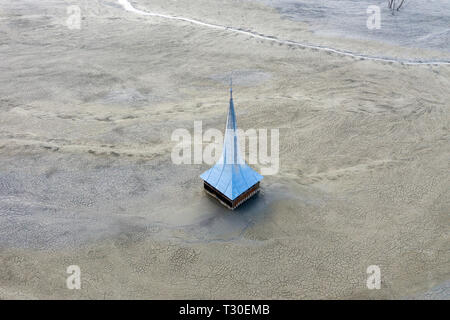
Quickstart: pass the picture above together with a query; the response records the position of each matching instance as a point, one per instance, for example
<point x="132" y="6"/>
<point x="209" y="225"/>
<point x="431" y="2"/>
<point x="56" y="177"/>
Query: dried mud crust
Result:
<point x="86" y="178"/>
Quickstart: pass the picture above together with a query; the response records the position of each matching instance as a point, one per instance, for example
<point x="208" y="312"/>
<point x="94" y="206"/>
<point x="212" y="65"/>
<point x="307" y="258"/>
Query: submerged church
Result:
<point x="231" y="181"/>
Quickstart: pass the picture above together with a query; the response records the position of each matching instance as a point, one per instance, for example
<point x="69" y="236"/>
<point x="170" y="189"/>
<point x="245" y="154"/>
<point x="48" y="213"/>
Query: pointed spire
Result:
<point x="231" y="176"/>
<point x="231" y="145"/>
<point x="231" y="119"/>
<point x="231" y="87"/>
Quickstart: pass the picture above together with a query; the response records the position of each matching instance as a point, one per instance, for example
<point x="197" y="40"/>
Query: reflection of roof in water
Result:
<point x="231" y="175"/>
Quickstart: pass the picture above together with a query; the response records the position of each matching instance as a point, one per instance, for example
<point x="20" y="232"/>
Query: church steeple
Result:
<point x="231" y="180"/>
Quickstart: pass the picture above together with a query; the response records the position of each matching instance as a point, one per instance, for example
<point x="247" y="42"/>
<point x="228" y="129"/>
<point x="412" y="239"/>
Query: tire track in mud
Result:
<point x="129" y="7"/>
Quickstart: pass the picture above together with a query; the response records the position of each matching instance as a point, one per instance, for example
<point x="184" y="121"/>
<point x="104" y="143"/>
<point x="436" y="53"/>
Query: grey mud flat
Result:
<point x="86" y="176"/>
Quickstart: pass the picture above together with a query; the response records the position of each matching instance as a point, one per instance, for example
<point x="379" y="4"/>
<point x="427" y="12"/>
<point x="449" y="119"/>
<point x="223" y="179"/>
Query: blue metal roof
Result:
<point x="231" y="175"/>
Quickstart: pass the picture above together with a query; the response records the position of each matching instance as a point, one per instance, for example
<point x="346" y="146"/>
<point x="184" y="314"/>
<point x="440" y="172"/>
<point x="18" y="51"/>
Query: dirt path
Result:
<point x="127" y="6"/>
